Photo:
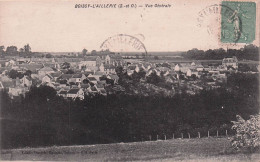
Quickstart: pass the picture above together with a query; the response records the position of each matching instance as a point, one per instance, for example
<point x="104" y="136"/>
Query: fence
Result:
<point x="215" y="134"/>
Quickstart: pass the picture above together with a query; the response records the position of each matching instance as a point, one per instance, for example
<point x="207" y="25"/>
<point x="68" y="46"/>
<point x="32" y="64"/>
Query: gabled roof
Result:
<point x="84" y="86"/>
<point x="77" y="76"/>
<point x="131" y="67"/>
<point x="56" y="74"/>
<point x="114" y="76"/>
<point x="92" y="79"/>
<point x="73" y="91"/>
<point x="66" y="76"/>
<point x="103" y="91"/>
<point x="46" y="69"/>
<point x="63" y="92"/>
<point x="7" y="84"/>
<point x="28" y="78"/>
<point x="106" y="66"/>
<point x="99" y="73"/>
<point x="49" y="76"/>
<point x="93" y="88"/>
<point x="100" y="86"/>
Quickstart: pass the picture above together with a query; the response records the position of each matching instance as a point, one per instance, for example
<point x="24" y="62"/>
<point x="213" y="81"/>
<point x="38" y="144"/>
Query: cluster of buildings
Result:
<point x="70" y="77"/>
<point x="75" y="77"/>
<point x="193" y="76"/>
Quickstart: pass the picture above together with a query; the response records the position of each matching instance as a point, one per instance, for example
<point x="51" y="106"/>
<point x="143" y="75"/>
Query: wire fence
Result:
<point x="186" y="135"/>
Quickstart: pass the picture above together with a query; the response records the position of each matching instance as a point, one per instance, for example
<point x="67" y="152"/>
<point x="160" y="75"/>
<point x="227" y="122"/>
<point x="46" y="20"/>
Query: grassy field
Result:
<point x="204" y="149"/>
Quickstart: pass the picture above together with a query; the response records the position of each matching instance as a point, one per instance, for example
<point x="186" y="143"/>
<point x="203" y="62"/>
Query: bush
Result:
<point x="247" y="134"/>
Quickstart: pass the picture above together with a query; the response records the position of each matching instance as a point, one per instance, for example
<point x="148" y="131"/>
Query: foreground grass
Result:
<point x="204" y="149"/>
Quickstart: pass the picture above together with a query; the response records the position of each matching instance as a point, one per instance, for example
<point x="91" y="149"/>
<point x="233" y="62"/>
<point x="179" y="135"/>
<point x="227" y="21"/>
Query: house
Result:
<point x="177" y="67"/>
<point x="113" y="77"/>
<point x="26" y="81"/>
<point x="55" y="75"/>
<point x="99" y="87"/>
<point x="62" y="93"/>
<point x="75" y="93"/>
<point x="232" y="62"/>
<point x="191" y="72"/>
<point x="47" y="79"/>
<point x="116" y="60"/>
<point x="90" y="61"/>
<point x="17" y="91"/>
<point x="92" y="90"/>
<point x="109" y="69"/>
<point x="79" y="77"/>
<point x="45" y="70"/>
<point x="102" y="67"/>
<point x="65" y="77"/>
<point x="98" y="74"/>
<point x="92" y="79"/>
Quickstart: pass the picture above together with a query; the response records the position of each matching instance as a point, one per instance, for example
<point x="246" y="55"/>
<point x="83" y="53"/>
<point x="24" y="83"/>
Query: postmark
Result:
<point x="124" y="43"/>
<point x="238" y="22"/>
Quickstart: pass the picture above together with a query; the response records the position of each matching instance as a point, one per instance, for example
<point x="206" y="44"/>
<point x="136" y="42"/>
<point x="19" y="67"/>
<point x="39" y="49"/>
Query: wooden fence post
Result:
<point x="173" y="136"/>
<point x="226" y="133"/>
<point x="181" y="135"/>
<point x="189" y="135"/>
<point x="199" y="134"/>
<point x="164" y="137"/>
<point x="157" y="137"/>
<point x="208" y="133"/>
<point x="150" y="137"/>
<point x="217" y="133"/>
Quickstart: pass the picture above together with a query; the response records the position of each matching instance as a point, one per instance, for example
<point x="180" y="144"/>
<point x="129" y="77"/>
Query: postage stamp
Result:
<point x="238" y="22"/>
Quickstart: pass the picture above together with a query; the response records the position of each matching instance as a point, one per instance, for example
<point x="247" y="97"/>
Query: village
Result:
<point x="93" y="74"/>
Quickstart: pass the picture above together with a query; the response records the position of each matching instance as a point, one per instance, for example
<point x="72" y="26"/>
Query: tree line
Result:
<point x="249" y="52"/>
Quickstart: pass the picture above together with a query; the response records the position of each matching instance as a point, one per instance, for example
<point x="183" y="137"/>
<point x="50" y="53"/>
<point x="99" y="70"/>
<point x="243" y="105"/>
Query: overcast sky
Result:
<point x="59" y="27"/>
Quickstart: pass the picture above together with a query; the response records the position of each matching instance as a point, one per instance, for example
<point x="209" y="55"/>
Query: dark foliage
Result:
<point x="42" y="118"/>
<point x="249" y="52"/>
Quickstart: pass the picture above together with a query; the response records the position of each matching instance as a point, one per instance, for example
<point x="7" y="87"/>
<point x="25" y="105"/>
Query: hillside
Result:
<point x="204" y="149"/>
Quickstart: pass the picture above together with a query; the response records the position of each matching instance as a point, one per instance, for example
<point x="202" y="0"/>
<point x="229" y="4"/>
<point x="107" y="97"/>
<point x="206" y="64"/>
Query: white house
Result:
<point x="75" y="92"/>
<point x="233" y="62"/>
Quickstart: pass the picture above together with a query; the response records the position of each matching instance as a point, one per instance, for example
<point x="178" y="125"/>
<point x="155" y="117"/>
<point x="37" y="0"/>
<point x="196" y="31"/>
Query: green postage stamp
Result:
<point x="238" y="21"/>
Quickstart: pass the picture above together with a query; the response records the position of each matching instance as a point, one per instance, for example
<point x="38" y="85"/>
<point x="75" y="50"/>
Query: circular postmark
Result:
<point x="210" y="18"/>
<point x="124" y="43"/>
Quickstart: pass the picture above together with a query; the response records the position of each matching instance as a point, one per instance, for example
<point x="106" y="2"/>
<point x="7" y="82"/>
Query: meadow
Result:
<point x="203" y="149"/>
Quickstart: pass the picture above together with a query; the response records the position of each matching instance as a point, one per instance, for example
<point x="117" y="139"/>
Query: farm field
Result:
<point x="204" y="149"/>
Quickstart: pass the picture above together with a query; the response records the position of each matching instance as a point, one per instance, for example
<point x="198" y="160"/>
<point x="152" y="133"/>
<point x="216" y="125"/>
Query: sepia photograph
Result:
<point x="128" y="80"/>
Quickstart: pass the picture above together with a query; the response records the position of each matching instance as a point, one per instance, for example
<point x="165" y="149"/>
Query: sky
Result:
<point x="57" y="26"/>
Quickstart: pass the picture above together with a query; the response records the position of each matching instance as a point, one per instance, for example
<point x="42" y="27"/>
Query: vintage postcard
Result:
<point x="128" y="80"/>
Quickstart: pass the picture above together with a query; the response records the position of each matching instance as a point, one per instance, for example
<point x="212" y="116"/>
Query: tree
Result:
<point x="193" y="76"/>
<point x="27" y="48"/>
<point x="84" y="52"/>
<point x="156" y="57"/>
<point x="28" y="73"/>
<point x="93" y="52"/>
<point x="247" y="135"/>
<point x="14" y="74"/>
<point x="85" y="81"/>
<point x="11" y="50"/>
<point x="48" y="55"/>
<point x="21" y="50"/>
<point x="2" y="50"/>
<point x="65" y="65"/>
<point x="119" y="70"/>
<point x="153" y="78"/>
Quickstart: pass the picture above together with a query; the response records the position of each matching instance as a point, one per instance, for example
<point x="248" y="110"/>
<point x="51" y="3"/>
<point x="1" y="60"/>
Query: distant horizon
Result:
<point x="59" y="26"/>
